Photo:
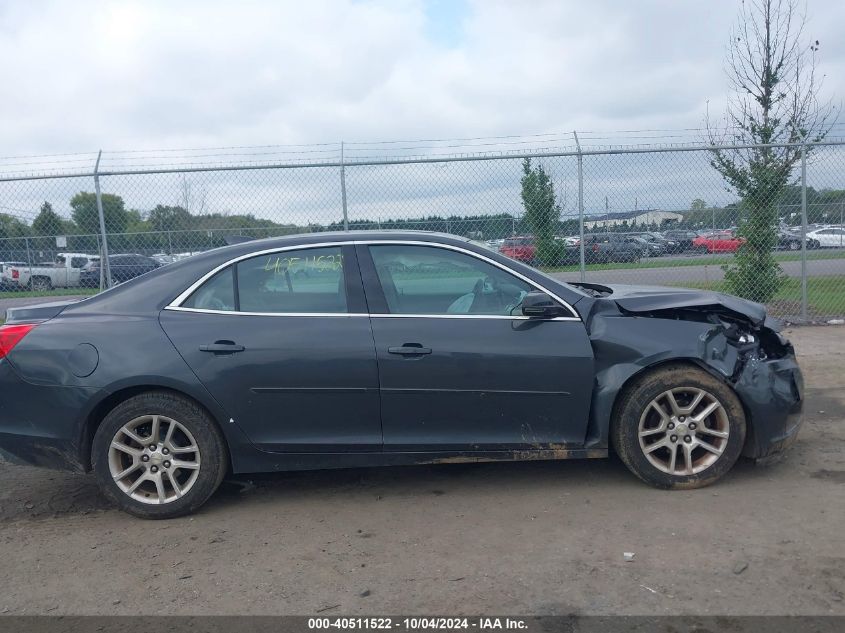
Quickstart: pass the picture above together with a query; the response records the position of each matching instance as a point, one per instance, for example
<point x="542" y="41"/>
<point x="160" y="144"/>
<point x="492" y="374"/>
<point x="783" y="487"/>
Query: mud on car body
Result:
<point x="384" y="348"/>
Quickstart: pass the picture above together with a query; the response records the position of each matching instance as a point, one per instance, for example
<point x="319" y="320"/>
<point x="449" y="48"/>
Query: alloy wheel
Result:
<point x="154" y="459"/>
<point x="684" y="431"/>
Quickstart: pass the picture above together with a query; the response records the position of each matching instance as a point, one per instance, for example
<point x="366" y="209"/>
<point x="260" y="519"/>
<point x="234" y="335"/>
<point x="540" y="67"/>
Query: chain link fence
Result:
<point x="633" y="214"/>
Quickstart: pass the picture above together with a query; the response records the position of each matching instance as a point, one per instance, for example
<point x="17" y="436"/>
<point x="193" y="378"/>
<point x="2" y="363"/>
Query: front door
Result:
<point x="459" y="367"/>
<point x="282" y="340"/>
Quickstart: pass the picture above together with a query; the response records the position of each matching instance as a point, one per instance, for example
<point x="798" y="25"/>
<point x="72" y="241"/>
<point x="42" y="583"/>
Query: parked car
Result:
<point x="656" y="244"/>
<point x="649" y="249"/>
<point x="4" y="284"/>
<point x="670" y="245"/>
<point x="791" y="241"/>
<point x="830" y="237"/>
<point x="718" y="242"/>
<point x="613" y="247"/>
<point x="121" y="267"/>
<point x="230" y="362"/>
<point x="64" y="272"/>
<point x="522" y="248"/>
<point x="682" y="238"/>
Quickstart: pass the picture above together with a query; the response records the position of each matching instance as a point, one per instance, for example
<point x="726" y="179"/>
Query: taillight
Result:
<point x="16" y="273"/>
<point x="11" y="335"/>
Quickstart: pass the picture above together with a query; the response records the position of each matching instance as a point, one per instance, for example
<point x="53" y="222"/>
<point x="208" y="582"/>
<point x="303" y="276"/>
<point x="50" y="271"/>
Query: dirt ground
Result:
<point x="530" y="538"/>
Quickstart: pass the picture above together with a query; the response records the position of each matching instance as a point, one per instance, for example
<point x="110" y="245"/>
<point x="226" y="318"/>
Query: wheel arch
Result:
<point x="697" y="363"/>
<point x="97" y="413"/>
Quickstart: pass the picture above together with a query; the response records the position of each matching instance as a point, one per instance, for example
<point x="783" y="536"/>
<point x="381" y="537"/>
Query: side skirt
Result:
<point x="260" y="461"/>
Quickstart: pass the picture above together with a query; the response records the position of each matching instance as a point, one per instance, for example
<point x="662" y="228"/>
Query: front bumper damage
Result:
<point x="634" y="329"/>
<point x="761" y="366"/>
<point x="772" y="391"/>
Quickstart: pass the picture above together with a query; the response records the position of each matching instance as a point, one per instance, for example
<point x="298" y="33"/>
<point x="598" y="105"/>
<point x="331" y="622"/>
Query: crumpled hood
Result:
<point x="651" y="298"/>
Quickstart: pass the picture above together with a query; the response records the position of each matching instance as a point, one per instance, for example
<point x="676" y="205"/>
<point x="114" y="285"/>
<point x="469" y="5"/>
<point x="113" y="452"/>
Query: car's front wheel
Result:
<point x="679" y="427"/>
<point x="158" y="455"/>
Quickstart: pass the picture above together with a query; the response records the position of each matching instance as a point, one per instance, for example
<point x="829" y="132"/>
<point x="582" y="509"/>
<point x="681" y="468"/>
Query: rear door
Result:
<point x="282" y="340"/>
<point x="460" y="368"/>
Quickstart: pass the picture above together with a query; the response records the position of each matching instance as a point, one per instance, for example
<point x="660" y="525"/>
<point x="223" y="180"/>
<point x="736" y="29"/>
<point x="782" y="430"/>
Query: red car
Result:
<point x="719" y="242"/>
<point x="521" y="248"/>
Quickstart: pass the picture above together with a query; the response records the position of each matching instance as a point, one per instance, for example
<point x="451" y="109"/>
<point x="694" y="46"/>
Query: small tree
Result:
<point x="542" y="213"/>
<point x="86" y="216"/>
<point x="47" y="222"/>
<point x="772" y="71"/>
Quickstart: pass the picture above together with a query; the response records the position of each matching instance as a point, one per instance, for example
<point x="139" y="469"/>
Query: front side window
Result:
<point x="430" y="280"/>
<point x="300" y="281"/>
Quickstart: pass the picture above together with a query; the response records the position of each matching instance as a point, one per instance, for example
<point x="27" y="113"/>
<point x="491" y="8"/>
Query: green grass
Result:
<point x="672" y="262"/>
<point x="56" y="292"/>
<point x="825" y="295"/>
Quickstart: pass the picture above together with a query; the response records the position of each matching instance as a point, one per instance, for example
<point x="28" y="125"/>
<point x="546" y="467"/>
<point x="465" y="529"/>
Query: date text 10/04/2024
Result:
<point x="418" y="623"/>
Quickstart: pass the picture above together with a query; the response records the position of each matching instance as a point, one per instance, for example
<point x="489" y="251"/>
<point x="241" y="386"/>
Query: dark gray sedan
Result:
<point x="378" y="348"/>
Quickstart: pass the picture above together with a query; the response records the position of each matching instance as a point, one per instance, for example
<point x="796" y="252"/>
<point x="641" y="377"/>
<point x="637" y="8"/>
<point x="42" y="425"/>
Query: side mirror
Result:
<point x="539" y="305"/>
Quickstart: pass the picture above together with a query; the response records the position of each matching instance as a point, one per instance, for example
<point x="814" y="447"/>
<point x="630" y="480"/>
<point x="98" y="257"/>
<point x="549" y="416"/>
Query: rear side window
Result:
<point x="295" y="282"/>
<point x="302" y="281"/>
<point x="218" y="293"/>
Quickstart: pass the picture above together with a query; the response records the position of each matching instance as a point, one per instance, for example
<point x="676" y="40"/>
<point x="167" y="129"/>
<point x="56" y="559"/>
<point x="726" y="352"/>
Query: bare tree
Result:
<point x="192" y="202"/>
<point x="772" y="70"/>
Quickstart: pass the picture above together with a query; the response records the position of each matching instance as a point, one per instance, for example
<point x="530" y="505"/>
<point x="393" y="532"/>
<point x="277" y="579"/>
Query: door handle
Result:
<point x="222" y="347"/>
<point x="410" y="350"/>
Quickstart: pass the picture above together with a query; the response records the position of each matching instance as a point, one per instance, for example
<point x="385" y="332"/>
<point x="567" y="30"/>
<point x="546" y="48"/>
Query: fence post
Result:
<point x="580" y="205"/>
<point x="343" y="189"/>
<point x="99" y="250"/>
<point x="804" y="231"/>
<point x="104" y="257"/>
<point x="29" y="259"/>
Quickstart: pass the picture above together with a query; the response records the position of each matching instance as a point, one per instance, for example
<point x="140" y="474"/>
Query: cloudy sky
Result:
<point x="81" y="75"/>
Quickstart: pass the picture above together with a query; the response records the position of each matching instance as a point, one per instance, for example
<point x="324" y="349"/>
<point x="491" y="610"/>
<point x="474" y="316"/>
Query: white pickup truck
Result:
<point x="63" y="273"/>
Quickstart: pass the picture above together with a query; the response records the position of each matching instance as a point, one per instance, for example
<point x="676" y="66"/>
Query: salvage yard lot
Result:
<point x="522" y="538"/>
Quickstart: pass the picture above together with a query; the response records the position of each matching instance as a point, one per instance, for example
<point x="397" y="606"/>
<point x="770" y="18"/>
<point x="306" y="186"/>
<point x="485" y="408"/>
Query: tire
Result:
<point x="696" y="466"/>
<point x="181" y="425"/>
<point x="40" y="284"/>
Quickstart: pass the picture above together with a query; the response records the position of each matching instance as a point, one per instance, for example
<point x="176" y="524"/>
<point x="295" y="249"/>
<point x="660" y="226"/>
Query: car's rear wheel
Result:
<point x="158" y="455"/>
<point x="679" y="427"/>
<point x="40" y="284"/>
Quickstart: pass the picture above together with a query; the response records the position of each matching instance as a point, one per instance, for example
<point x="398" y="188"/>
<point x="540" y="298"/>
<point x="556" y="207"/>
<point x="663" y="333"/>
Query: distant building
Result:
<point x="643" y="218"/>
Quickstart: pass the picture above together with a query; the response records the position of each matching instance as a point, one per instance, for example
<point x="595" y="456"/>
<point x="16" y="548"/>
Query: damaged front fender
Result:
<point x="730" y="338"/>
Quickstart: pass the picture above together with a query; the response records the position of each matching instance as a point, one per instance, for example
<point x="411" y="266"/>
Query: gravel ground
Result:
<point x="529" y="538"/>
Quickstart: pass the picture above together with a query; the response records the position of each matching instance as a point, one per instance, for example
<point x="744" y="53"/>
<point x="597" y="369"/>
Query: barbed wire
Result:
<point x="72" y="163"/>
